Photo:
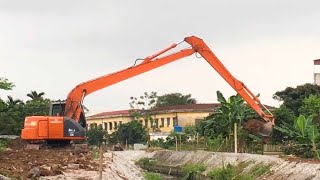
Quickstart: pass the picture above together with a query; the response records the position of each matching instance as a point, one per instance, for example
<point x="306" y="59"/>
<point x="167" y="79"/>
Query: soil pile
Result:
<point x="18" y="163"/>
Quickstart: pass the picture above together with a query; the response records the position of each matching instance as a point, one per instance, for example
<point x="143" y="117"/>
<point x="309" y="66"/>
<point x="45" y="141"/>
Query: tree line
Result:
<point x="13" y="111"/>
<point x="296" y="126"/>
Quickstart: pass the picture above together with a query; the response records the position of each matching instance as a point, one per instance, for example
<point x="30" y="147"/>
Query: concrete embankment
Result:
<point x="280" y="169"/>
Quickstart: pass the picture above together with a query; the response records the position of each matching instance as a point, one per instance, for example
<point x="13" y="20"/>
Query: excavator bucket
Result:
<point x="266" y="129"/>
<point x="259" y="127"/>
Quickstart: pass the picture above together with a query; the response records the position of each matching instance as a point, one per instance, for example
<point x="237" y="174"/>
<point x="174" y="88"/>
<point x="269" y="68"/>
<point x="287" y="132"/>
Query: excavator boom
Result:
<point x="68" y="128"/>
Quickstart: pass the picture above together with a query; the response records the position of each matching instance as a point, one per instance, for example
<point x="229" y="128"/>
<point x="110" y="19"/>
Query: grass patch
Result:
<point x="152" y="176"/>
<point x="146" y="162"/>
<point x="3" y="144"/>
<point x="231" y="172"/>
<point x="260" y="169"/>
<point x="223" y="173"/>
<point x="95" y="154"/>
<point x="189" y="171"/>
<point x="193" y="168"/>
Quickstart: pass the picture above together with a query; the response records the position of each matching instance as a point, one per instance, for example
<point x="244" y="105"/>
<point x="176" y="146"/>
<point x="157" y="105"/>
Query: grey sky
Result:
<point x="52" y="46"/>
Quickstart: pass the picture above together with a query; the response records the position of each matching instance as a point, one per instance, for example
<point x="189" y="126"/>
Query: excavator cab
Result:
<point x="57" y="109"/>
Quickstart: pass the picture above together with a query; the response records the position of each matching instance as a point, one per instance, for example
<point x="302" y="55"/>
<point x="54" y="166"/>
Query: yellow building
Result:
<point x="164" y="118"/>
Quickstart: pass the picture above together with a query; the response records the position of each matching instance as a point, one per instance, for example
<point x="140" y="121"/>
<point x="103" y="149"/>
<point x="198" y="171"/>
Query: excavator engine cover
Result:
<point x="52" y="128"/>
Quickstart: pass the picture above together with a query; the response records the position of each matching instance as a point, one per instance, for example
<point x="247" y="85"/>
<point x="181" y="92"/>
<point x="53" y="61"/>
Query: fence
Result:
<point x="270" y="149"/>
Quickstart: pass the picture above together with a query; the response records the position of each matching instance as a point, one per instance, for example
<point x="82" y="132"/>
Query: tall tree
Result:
<point x="12" y="102"/>
<point x="5" y="84"/>
<point x="132" y="132"/>
<point x="175" y="99"/>
<point x="232" y="110"/>
<point x="141" y="107"/>
<point x="310" y="106"/>
<point x="34" y="95"/>
<point x="293" y="98"/>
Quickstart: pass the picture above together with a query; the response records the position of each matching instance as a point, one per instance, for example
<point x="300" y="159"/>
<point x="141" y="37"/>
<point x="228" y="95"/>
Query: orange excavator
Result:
<point x="66" y="120"/>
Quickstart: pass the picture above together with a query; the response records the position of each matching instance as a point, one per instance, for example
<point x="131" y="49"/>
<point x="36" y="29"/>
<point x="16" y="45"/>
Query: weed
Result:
<point x="3" y="145"/>
<point x="95" y="154"/>
<point x="244" y="177"/>
<point x="193" y="168"/>
<point x="260" y="169"/>
<point x="146" y="161"/>
<point x="152" y="176"/>
<point x="231" y="172"/>
<point x="223" y="173"/>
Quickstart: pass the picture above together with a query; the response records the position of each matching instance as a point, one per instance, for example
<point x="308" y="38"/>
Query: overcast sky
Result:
<point x="52" y="46"/>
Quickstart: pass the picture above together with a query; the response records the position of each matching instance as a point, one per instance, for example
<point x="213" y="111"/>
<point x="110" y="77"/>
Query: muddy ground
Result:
<point x="18" y="163"/>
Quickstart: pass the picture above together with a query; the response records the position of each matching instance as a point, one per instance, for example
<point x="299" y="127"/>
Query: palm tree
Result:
<point x="34" y="95"/>
<point x="12" y="102"/>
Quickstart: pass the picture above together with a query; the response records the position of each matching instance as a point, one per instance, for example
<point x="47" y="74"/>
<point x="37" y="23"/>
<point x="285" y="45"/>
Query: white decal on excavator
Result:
<point x="71" y="132"/>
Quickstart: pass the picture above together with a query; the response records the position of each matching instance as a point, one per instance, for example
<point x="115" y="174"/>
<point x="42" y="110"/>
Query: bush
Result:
<point x="237" y="172"/>
<point x="223" y="173"/>
<point x="215" y="143"/>
<point x="96" y="135"/>
<point x="3" y="145"/>
<point x="193" y="168"/>
<point x="146" y="162"/>
<point x="300" y="150"/>
<point x="259" y="170"/>
<point x="152" y="176"/>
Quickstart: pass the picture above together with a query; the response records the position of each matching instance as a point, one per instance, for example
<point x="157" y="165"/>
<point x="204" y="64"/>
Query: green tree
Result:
<point x="12" y="119"/>
<point x="141" y="107"/>
<point x="3" y="105"/>
<point x="131" y="132"/>
<point x="283" y="116"/>
<point x="190" y="131"/>
<point x="231" y="111"/>
<point x="5" y="84"/>
<point x="174" y="99"/>
<point x="37" y="107"/>
<point x="302" y="137"/>
<point x="12" y="102"/>
<point x="12" y="116"/>
<point x="293" y="98"/>
<point x="310" y="106"/>
<point x="96" y="135"/>
<point x="34" y="95"/>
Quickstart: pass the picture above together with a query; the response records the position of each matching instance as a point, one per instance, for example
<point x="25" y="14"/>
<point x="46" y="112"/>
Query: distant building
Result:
<point x="316" y="73"/>
<point x="164" y="118"/>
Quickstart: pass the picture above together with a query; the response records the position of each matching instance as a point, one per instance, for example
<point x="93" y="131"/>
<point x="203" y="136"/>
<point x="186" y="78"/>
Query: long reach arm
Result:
<point x="73" y="106"/>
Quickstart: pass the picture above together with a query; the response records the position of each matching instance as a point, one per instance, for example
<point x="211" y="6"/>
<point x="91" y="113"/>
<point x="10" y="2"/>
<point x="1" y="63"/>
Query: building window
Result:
<point x="175" y="121"/>
<point x="115" y="125"/>
<point x="168" y="122"/>
<point x="162" y="123"/>
<point x="110" y="125"/>
<point x="157" y="123"/>
<point x="100" y="126"/>
<point x="105" y="126"/>
<point x="120" y="122"/>
<point x="140" y="121"/>
<point x="146" y="123"/>
<point x="93" y="125"/>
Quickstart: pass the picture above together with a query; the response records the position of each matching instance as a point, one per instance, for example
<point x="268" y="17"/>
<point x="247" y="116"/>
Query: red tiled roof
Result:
<point x="187" y="106"/>
<point x="191" y="107"/>
<point x="112" y="113"/>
